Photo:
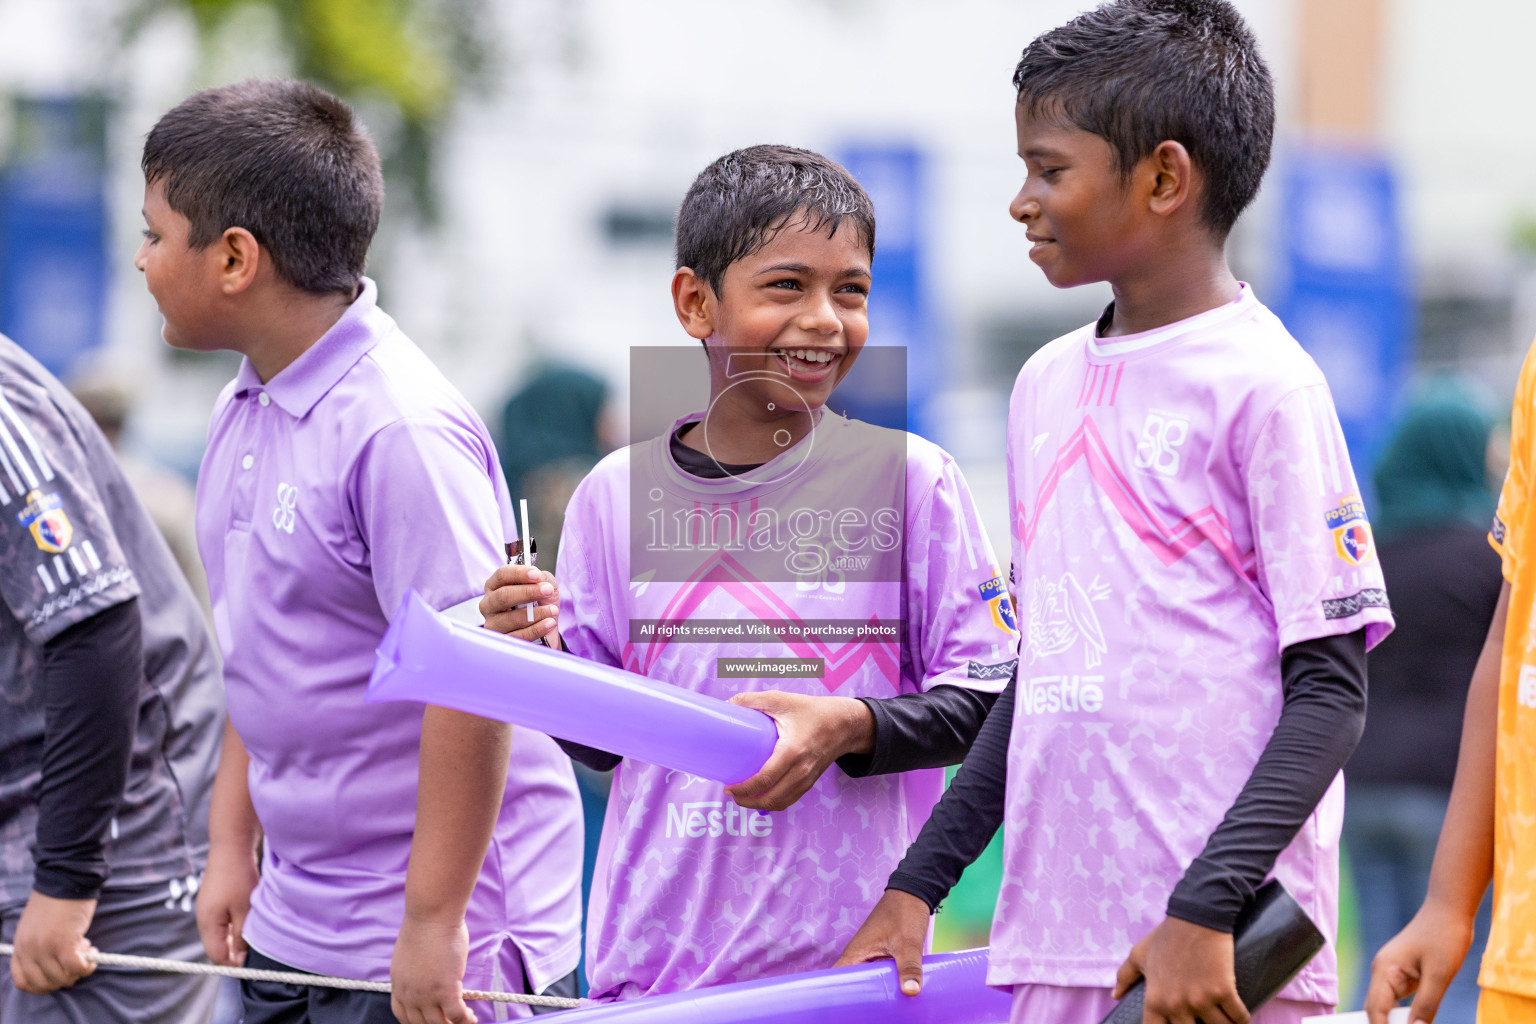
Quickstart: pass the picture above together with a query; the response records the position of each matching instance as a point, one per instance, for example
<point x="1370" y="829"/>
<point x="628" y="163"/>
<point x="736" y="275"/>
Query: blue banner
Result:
<point x="896" y="178"/>
<point x="53" y="230"/>
<point x="1349" y="295"/>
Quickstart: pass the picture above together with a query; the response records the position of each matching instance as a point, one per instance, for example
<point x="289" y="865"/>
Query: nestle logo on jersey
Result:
<point x="1050" y="695"/>
<point x="699" y="818"/>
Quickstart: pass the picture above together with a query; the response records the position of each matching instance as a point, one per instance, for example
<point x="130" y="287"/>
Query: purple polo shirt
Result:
<point x="352" y="475"/>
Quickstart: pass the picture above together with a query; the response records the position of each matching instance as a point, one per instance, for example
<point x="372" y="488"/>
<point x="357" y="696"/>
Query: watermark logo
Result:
<point x="757" y="464"/>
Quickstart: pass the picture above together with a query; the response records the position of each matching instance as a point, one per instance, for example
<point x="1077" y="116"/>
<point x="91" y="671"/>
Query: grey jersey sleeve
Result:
<point x="60" y="561"/>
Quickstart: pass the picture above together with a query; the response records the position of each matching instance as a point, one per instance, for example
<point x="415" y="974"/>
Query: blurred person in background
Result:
<point x="1431" y="524"/>
<point x="553" y="430"/>
<point x="113" y="709"/>
<point x="166" y="495"/>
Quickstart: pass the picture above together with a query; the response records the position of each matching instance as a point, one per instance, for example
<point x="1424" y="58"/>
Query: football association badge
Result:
<point x="995" y="593"/>
<point x="43" y="514"/>
<point x="1351" y="530"/>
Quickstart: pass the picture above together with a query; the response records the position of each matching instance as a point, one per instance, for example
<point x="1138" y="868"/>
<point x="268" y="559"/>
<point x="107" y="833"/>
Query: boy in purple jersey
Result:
<point x="857" y="547"/>
<point x="1195" y="566"/>
<point x="341" y="470"/>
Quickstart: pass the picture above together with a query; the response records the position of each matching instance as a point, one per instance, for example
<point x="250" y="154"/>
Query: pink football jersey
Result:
<point x="862" y="549"/>
<point x="1183" y="508"/>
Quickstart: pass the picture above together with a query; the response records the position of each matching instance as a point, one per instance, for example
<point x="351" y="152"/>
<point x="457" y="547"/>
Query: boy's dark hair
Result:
<point x="1139" y="72"/>
<point x="741" y="201"/>
<point x="284" y="160"/>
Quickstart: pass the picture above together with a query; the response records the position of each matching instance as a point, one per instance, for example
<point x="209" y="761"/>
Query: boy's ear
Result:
<point x="694" y="303"/>
<point x="240" y="257"/>
<point x="1172" y="172"/>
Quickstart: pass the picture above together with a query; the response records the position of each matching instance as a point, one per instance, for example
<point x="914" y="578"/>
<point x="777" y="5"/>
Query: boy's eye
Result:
<point x="150" y="235"/>
<point x="787" y="282"/>
<point x="1050" y="173"/>
<point x="856" y="289"/>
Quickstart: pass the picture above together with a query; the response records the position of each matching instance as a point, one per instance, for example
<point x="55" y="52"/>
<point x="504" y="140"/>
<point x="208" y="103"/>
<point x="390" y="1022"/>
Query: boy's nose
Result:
<point x="138" y="257"/>
<point x="1024" y="208"/>
<point x="821" y="317"/>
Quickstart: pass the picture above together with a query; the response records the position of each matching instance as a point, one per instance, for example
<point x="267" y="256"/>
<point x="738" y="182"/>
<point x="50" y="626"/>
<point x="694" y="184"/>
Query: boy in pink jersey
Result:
<point x="768" y="535"/>
<point x="1193" y="560"/>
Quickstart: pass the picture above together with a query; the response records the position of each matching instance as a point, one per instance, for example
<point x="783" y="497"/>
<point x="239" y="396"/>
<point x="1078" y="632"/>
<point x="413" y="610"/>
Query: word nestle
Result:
<point x="725" y="631"/>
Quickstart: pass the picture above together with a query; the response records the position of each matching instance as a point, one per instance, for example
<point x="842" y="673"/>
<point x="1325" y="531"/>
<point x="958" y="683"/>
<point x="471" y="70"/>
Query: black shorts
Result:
<point x="267" y="1002"/>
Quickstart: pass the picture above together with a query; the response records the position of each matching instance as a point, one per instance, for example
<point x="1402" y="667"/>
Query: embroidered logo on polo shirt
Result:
<point x="284" y="515"/>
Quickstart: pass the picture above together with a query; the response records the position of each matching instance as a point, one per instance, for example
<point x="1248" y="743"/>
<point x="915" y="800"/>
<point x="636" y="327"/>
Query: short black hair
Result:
<point x="741" y="201"/>
<point x="286" y="161"/>
<point x="1139" y="72"/>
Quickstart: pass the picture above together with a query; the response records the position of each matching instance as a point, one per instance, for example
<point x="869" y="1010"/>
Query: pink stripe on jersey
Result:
<point x="1169" y="544"/>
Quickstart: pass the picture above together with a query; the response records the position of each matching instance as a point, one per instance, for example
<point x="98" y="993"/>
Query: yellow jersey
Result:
<point x="1509" y="964"/>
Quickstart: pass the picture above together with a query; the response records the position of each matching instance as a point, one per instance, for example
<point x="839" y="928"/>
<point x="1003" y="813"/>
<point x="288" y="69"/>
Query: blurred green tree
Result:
<point x="413" y="58"/>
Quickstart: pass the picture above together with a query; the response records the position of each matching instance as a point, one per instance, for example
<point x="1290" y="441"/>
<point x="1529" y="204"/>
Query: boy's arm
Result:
<point x="1426" y="955"/>
<point x="82" y="615"/>
<point x="92" y="674"/>
<point x="961" y="826"/>
<point x="932" y="729"/>
<point x="463" y="777"/>
<point x="1187" y="960"/>
<point x="234" y="835"/>
<point x="952" y="639"/>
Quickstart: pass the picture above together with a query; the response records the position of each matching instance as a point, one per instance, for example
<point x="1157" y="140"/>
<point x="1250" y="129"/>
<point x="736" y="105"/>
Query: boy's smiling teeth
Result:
<point x="808" y="355"/>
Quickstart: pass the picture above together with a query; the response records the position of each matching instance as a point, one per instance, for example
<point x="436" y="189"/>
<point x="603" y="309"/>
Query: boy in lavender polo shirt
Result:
<point x="342" y="469"/>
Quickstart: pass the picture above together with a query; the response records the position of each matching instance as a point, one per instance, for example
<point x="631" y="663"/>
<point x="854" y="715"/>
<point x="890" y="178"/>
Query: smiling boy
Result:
<point x="858" y="546"/>
<point x="341" y="470"/>
<point x="1193" y="553"/>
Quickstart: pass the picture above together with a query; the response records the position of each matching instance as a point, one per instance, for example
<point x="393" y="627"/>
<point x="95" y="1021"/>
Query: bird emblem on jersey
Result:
<point x="1061" y="613"/>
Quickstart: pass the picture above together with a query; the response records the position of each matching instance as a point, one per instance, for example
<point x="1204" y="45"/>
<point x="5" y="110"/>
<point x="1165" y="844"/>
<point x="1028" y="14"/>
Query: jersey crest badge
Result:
<point x="996" y="595"/>
<point x="1351" y="530"/>
<point x="44" y="516"/>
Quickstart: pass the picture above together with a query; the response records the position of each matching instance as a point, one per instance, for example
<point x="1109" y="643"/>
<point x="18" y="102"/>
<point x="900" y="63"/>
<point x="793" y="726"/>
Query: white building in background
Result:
<point x="558" y="185"/>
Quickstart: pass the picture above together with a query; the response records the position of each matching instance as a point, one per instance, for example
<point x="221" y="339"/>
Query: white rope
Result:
<point x="154" y="963"/>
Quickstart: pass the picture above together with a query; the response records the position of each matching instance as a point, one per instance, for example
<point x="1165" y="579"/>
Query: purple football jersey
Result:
<point x="861" y="549"/>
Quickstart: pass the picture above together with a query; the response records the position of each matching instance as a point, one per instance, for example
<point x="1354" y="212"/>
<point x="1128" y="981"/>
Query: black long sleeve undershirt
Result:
<point x="1323" y="713"/>
<point x="92" y="674"/>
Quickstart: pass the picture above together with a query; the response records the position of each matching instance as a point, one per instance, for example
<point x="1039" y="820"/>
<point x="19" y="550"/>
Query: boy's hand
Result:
<point x="1189" y="975"/>
<point x="813" y="732"/>
<point x="1422" y="958"/>
<point x="52" y="951"/>
<point x="894" y="930"/>
<point x="224" y="899"/>
<point x="513" y="585"/>
<point x="426" y="973"/>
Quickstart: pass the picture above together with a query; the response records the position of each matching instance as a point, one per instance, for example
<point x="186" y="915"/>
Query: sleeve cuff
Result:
<point x="70" y="882"/>
<point x="1203" y="914"/>
<point x="914" y="886"/>
<point x="859" y="766"/>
